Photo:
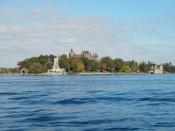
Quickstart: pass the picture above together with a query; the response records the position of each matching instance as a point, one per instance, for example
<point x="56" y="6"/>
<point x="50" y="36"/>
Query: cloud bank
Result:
<point x="43" y="30"/>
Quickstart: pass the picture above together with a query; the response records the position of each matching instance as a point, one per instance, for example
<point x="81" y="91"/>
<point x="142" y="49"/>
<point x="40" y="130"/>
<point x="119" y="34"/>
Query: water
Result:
<point x="88" y="103"/>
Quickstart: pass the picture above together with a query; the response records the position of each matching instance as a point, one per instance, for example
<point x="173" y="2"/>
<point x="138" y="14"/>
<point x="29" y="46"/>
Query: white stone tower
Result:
<point x="56" y="70"/>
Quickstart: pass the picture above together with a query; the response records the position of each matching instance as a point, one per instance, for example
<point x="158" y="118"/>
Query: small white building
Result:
<point x="56" y="70"/>
<point x="157" y="69"/>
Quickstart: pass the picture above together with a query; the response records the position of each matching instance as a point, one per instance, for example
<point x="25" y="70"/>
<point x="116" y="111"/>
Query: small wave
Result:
<point x="163" y="124"/>
<point x="151" y="99"/>
<point x="9" y="93"/>
<point x="91" y="122"/>
<point x="122" y="129"/>
<point x="75" y="101"/>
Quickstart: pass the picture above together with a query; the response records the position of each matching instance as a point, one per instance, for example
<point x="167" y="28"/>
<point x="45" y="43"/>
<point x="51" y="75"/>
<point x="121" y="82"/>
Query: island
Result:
<point x="85" y="63"/>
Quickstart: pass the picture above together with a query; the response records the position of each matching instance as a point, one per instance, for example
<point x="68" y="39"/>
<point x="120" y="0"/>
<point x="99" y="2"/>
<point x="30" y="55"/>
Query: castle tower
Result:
<point x="56" y="63"/>
<point x="56" y="70"/>
<point x="72" y="53"/>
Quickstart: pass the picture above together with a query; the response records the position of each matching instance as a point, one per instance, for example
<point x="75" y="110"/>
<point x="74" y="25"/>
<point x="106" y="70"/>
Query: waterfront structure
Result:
<point x="157" y="69"/>
<point x="56" y="70"/>
<point x="86" y="54"/>
<point x="24" y="71"/>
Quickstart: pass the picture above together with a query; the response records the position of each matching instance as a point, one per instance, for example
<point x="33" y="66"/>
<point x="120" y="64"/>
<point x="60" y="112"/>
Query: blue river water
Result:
<point x="87" y="103"/>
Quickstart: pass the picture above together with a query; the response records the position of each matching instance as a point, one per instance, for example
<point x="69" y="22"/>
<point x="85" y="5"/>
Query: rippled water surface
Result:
<point x="88" y="103"/>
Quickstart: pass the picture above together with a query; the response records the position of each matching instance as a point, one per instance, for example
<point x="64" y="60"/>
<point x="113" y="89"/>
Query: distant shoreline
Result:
<point x="79" y="74"/>
<point x="108" y="73"/>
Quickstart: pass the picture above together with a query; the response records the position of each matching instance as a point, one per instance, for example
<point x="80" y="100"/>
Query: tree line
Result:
<point x="77" y="64"/>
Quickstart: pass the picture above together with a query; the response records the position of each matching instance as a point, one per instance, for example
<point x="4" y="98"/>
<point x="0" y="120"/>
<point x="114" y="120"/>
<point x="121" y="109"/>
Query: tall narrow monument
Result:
<point x="56" y="70"/>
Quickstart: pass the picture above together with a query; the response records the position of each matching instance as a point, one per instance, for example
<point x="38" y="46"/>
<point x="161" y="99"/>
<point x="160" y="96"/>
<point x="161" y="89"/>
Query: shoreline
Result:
<point x="80" y="74"/>
<point x="109" y="73"/>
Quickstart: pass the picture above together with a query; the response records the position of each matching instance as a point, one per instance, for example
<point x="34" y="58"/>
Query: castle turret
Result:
<point x="72" y="53"/>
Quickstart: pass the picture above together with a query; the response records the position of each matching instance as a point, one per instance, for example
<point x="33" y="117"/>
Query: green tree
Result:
<point x="108" y="61"/>
<point x="103" y="67"/>
<point x="143" y="67"/>
<point x="73" y="63"/>
<point x="118" y="64"/>
<point x="169" y="67"/>
<point x="126" y="69"/>
<point x="50" y="61"/>
<point x="14" y="70"/>
<point x="86" y="62"/>
<point x="4" y="71"/>
<point x="133" y="65"/>
<point x="25" y="63"/>
<point x="45" y="61"/>
<point x="93" y="66"/>
<point x="80" y="67"/>
<point x="64" y="61"/>
<point x="36" y="68"/>
<point x="90" y="65"/>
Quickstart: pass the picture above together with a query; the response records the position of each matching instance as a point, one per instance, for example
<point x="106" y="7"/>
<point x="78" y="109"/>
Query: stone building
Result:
<point x="56" y="70"/>
<point x="72" y="53"/>
<point x="157" y="69"/>
<point x="89" y="55"/>
<point x="24" y="71"/>
<point x="86" y="54"/>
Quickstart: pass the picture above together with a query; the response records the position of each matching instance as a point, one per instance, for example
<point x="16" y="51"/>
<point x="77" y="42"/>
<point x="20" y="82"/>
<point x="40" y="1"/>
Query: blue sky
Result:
<point x="129" y="29"/>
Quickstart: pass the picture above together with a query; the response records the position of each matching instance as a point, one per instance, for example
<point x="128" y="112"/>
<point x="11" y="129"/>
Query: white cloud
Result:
<point x="43" y="30"/>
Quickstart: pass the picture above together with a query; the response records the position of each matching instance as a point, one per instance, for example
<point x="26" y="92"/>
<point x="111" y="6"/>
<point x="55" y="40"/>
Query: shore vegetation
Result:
<point x="42" y="63"/>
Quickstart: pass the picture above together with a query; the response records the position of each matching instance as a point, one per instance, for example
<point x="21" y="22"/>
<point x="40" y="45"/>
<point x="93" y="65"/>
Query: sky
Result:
<point x="141" y="30"/>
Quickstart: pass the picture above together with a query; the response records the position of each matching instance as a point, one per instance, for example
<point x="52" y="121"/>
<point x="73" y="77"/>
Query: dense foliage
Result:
<point x="42" y="63"/>
<point x="9" y="70"/>
<point x="169" y="67"/>
<point x="37" y="64"/>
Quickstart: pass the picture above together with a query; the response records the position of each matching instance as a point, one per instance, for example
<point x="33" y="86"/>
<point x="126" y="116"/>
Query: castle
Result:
<point x="86" y="54"/>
